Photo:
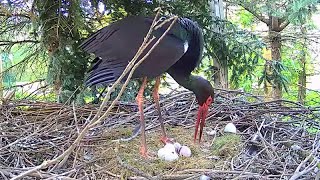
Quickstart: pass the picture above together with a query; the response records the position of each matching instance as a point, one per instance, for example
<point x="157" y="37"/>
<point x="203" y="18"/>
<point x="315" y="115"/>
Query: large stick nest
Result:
<point x="275" y="140"/>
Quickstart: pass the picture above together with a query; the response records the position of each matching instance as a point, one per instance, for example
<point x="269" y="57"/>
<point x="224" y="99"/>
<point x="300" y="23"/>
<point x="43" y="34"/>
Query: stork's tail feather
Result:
<point x="85" y="45"/>
<point x="104" y="72"/>
<point x="102" y="77"/>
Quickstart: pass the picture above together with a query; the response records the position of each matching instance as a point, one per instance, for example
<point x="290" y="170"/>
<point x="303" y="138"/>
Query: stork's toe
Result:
<point x="165" y="140"/>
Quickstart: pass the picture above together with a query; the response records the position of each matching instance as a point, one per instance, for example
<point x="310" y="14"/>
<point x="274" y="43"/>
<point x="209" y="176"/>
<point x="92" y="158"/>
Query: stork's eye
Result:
<point x="209" y="100"/>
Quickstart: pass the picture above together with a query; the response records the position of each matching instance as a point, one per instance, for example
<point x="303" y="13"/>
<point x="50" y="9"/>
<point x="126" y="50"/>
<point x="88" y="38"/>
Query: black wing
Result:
<point x="116" y="45"/>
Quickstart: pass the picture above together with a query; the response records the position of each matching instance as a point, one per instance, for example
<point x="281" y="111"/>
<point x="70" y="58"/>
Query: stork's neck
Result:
<point x="195" y="48"/>
<point x="187" y="82"/>
<point x="192" y="57"/>
<point x="195" y="39"/>
<point x="198" y="85"/>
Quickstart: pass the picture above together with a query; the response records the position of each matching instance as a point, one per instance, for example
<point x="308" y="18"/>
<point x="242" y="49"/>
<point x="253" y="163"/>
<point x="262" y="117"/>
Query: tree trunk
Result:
<point x="220" y="72"/>
<point x="267" y="85"/>
<point x="220" y="75"/>
<point x="1" y="81"/>
<point x="276" y="56"/>
<point x="302" y="82"/>
<point x="302" y="75"/>
<point x="220" y="64"/>
<point x="275" y="39"/>
<point x="58" y="87"/>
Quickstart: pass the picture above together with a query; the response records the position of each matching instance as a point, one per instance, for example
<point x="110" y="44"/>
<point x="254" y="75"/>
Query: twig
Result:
<point x="311" y="166"/>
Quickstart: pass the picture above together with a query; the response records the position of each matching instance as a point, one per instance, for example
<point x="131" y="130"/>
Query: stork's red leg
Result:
<point x="139" y="99"/>
<point x="155" y="94"/>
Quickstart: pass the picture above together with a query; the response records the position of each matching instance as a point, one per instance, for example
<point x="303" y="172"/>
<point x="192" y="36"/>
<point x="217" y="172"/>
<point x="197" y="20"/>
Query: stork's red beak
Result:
<point x="201" y="119"/>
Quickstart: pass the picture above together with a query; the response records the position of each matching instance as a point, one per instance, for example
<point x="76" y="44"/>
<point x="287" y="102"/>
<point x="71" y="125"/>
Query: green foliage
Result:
<point x="61" y="24"/>
<point x="18" y="40"/>
<point x="31" y="62"/>
<point x="120" y="9"/>
<point x="69" y="66"/>
<point x="276" y="76"/>
<point x="58" y="27"/>
<point x="299" y="11"/>
<point x="295" y="13"/>
<point x="241" y="48"/>
<point x="313" y="98"/>
<point x="8" y="76"/>
<point x="244" y="18"/>
<point x="244" y="57"/>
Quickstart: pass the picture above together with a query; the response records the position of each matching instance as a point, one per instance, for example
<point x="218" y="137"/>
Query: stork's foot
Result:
<point x="147" y="154"/>
<point x="165" y="140"/>
<point x="143" y="152"/>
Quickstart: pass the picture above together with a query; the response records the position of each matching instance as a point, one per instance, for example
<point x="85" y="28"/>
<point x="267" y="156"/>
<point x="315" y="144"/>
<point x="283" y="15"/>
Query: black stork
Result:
<point x="178" y="54"/>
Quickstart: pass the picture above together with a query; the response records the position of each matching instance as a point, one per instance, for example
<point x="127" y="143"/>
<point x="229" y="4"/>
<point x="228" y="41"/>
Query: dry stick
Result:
<point x="310" y="167"/>
<point x="190" y="108"/>
<point x="251" y="160"/>
<point x="98" y="119"/>
<point x="19" y="140"/>
<point x="212" y="171"/>
<point x="75" y="117"/>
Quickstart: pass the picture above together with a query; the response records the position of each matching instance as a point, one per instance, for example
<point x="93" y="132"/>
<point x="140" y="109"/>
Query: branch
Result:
<point x="260" y="17"/>
<point x="6" y="43"/>
<point x="314" y="163"/>
<point x="283" y="25"/>
<point x="6" y="13"/>
<point x="16" y="15"/>
<point x="24" y="60"/>
<point x="255" y="14"/>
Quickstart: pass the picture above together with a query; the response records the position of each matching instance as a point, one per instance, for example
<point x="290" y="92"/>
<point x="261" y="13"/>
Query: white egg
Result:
<point x="177" y="146"/>
<point x="230" y="128"/>
<point x="167" y="154"/>
<point x="169" y="146"/>
<point x="171" y="156"/>
<point x="185" y="151"/>
<point x="204" y="177"/>
<point x="212" y="132"/>
<point x="296" y="147"/>
<point x="162" y="153"/>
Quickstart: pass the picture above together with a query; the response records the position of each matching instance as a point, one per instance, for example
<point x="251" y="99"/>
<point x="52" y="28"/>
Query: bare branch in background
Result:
<point x="10" y="43"/>
<point x="15" y="15"/>
<point x="252" y="11"/>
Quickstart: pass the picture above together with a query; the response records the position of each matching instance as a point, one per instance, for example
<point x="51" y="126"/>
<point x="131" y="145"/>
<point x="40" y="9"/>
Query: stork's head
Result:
<point x="205" y="95"/>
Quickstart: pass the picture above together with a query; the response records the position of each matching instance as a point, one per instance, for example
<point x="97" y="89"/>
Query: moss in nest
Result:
<point x="226" y="146"/>
<point x="116" y="133"/>
<point x="23" y="108"/>
<point x="129" y="153"/>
